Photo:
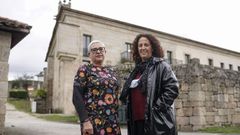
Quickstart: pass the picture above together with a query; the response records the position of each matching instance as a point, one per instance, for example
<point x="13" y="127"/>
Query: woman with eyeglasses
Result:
<point x="95" y="93"/>
<point x="150" y="90"/>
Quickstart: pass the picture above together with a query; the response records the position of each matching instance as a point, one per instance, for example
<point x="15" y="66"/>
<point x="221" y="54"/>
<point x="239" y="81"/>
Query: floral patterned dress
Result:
<point x="96" y="90"/>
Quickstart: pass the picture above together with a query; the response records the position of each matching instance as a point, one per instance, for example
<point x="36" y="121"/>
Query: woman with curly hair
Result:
<point x="150" y="90"/>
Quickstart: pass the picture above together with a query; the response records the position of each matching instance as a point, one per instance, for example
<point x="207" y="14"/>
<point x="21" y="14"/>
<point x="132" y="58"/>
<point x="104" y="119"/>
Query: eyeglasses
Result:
<point x="100" y="49"/>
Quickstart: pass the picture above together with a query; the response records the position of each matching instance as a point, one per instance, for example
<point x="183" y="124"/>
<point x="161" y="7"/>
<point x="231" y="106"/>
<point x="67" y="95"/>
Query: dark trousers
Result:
<point x="138" y="127"/>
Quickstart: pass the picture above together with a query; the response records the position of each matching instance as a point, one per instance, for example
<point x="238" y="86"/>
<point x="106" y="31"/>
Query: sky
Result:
<point x="215" y="22"/>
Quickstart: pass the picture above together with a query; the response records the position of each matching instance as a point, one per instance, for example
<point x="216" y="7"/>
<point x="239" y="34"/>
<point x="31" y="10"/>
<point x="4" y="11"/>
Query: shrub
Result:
<point x="42" y="94"/>
<point x="20" y="94"/>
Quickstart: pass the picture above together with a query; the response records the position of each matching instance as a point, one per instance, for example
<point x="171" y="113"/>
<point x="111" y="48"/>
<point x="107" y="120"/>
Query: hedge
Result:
<point x="18" y="94"/>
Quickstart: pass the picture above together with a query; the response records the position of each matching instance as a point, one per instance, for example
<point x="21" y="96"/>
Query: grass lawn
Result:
<point x="25" y="106"/>
<point x="222" y="129"/>
<point x="58" y="117"/>
<point x="20" y="104"/>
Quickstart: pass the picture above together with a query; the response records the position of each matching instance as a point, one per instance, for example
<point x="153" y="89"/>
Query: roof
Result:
<point x="18" y="29"/>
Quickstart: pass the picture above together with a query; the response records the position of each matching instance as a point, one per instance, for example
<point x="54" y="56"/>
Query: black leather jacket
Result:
<point x="162" y="89"/>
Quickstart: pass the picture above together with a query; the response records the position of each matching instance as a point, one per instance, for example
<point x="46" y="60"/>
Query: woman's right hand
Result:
<point x="87" y="128"/>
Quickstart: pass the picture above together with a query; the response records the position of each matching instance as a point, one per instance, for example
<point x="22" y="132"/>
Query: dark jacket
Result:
<point x="162" y="89"/>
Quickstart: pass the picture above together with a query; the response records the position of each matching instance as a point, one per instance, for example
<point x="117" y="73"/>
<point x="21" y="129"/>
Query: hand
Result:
<point x="87" y="128"/>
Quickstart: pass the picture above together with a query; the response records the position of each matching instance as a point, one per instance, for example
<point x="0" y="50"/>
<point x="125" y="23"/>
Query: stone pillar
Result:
<point x="5" y="43"/>
<point x="45" y="78"/>
<point x="68" y="70"/>
<point x="48" y="80"/>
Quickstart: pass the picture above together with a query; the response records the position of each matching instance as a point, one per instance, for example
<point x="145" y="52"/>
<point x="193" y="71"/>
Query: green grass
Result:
<point x="25" y="106"/>
<point x="21" y="104"/>
<point x="58" y="118"/>
<point x="222" y="129"/>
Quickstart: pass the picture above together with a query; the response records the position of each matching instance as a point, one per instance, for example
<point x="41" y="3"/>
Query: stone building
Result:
<point x="75" y="29"/>
<point x="11" y="32"/>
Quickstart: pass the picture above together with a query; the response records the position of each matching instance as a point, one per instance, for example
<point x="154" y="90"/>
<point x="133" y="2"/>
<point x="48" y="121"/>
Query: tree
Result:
<point x="24" y="81"/>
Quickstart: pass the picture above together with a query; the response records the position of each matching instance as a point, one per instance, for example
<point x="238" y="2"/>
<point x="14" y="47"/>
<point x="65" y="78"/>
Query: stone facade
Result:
<point x="65" y="52"/>
<point x="11" y="32"/>
<point x="209" y="96"/>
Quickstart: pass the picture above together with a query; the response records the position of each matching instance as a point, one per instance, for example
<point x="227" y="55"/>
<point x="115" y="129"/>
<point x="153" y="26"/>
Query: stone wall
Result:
<point x="209" y="96"/>
<point x="5" y="43"/>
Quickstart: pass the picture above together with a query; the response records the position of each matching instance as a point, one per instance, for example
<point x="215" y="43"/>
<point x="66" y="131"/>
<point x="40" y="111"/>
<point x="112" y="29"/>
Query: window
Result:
<point x="129" y="46"/>
<point x="127" y="54"/>
<point x="230" y="66"/>
<point x="169" y="57"/>
<point x="129" y="51"/>
<point x="210" y="62"/>
<point x="222" y="65"/>
<point x="86" y="40"/>
<point x="238" y="68"/>
<point x="187" y="58"/>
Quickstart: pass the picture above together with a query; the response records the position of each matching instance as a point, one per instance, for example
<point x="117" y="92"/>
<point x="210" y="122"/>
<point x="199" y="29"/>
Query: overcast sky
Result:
<point x="215" y="22"/>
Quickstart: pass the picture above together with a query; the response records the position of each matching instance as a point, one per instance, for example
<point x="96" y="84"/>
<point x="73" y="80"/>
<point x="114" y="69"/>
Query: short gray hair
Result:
<point x="93" y="42"/>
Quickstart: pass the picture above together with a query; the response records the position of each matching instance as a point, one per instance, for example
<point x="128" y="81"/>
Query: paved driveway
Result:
<point x="19" y="123"/>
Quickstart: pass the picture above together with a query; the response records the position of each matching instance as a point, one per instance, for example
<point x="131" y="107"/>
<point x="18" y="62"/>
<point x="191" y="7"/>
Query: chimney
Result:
<point x="64" y="4"/>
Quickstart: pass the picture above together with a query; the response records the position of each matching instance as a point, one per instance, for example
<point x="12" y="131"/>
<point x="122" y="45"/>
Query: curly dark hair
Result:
<point x="156" y="47"/>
